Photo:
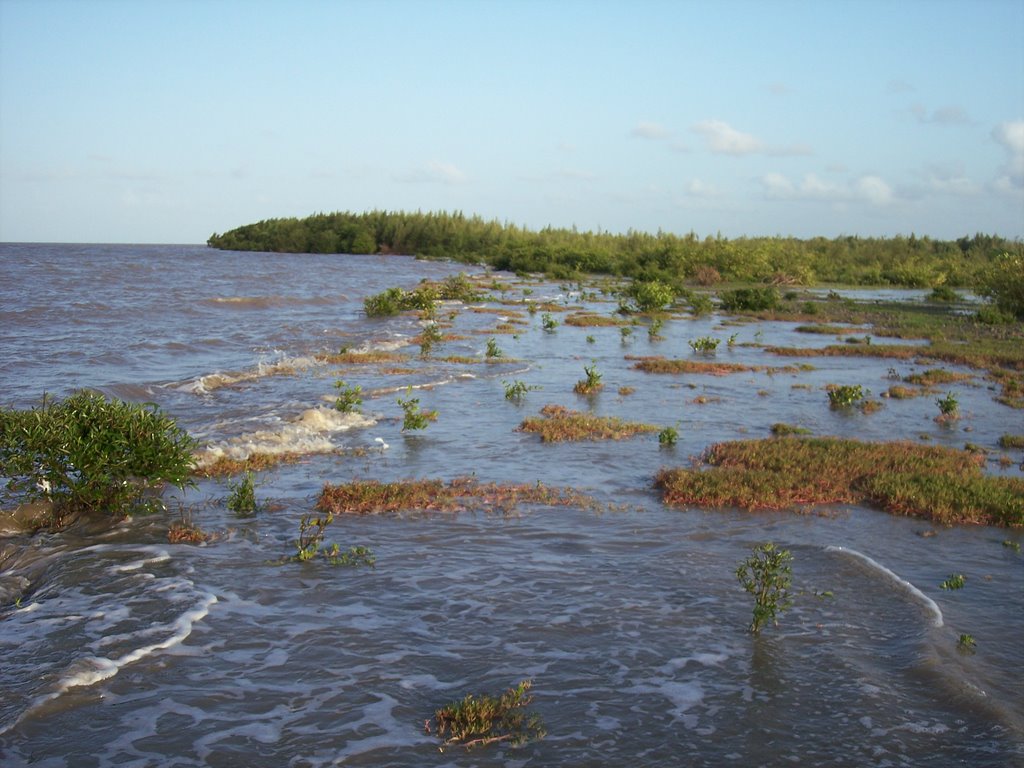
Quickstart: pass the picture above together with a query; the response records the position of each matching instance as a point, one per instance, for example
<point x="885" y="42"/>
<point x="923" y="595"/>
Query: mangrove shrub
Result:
<point x="88" y="454"/>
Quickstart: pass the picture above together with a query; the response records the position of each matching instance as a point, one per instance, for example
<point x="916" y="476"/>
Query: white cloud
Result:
<point x="1011" y="136"/>
<point x="647" y="130"/>
<point x="871" y="189"/>
<point x="723" y="139"/>
<point x="434" y="172"/>
<point x="948" y="115"/>
<point x="874" y="190"/>
<point x="698" y="188"/>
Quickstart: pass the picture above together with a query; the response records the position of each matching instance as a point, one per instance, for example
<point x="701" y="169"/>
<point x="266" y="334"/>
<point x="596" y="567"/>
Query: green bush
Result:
<point x="1004" y="284"/>
<point x="651" y="296"/>
<point x="750" y="299"/>
<point x="88" y="454"/>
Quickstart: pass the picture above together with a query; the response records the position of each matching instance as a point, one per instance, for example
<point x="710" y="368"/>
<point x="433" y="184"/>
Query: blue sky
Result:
<point x="160" y="121"/>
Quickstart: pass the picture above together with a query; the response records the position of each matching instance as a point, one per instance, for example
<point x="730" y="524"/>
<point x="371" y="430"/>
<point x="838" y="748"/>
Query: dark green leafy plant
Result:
<point x="949" y="406"/>
<point x="955" y="581"/>
<point x="88" y="454"/>
<point x="310" y="545"/>
<point x="750" y="299"/>
<point x="767" y="575"/>
<point x="516" y="390"/>
<point x="705" y="344"/>
<point x="349" y="397"/>
<point x="590" y="385"/>
<point x="476" y="721"/>
<point x="493" y="350"/>
<point x="415" y="417"/>
<point x="651" y="295"/>
<point x="242" y="498"/>
<point x="845" y="395"/>
<point x="668" y="436"/>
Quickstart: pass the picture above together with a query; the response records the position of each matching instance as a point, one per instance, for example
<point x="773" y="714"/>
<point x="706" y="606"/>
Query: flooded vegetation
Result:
<point x="535" y="541"/>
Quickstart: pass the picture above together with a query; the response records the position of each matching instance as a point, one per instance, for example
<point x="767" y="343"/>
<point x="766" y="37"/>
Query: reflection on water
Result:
<point x="629" y="620"/>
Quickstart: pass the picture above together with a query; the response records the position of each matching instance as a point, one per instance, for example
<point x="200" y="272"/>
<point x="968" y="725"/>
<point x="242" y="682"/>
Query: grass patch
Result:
<point x="665" y="365"/>
<point x="591" y="320"/>
<point x="373" y="497"/>
<point x="347" y="357"/>
<point x="1011" y="441"/>
<point x="935" y="376"/>
<point x="256" y="462"/>
<point x="891" y="351"/>
<point x="939" y="484"/>
<point x="784" y="430"/>
<point x="897" y="392"/>
<point x="558" y="424"/>
<point x="476" y="721"/>
<point x="827" y="329"/>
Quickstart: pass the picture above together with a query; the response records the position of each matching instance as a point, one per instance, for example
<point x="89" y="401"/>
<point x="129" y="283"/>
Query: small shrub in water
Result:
<point x="845" y="395"/>
<point x="548" y="323"/>
<point x="654" y="329"/>
<point x="590" y="385"/>
<point x="492" y="349"/>
<point x="625" y="332"/>
<point x="767" y="575"/>
<point x="651" y="296"/>
<point x="242" y="499"/>
<point x="955" y="581"/>
<point x="516" y="390"/>
<point x="475" y="721"/>
<point x="415" y="417"/>
<point x="430" y="338"/>
<point x="949" y="406"/>
<point x="668" y="436"/>
<point x="705" y="344"/>
<point x="310" y="544"/>
<point x="966" y="643"/>
<point x="349" y="397"/>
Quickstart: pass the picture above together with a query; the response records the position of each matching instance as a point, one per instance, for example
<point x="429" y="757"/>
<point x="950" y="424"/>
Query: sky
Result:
<point x="164" y="122"/>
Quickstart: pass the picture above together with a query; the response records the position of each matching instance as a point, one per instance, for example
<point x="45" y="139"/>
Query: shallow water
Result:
<point x="126" y="650"/>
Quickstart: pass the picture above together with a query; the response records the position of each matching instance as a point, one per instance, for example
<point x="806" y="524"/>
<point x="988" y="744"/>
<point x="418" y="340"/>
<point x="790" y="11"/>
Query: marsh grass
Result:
<point x="479" y="720"/>
<point x="461" y="494"/>
<point x="591" y="320"/>
<point x="936" y="376"/>
<point x="256" y="462"/>
<point x="558" y="424"/>
<point x="1007" y="442"/>
<point x="935" y="483"/>
<point x="348" y="357"/>
<point x="670" y="366"/>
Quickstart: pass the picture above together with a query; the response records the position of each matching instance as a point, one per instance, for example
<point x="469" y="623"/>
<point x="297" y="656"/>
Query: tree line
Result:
<point x="904" y="261"/>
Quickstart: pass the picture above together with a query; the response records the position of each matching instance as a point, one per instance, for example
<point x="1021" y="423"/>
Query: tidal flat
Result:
<point x="562" y="563"/>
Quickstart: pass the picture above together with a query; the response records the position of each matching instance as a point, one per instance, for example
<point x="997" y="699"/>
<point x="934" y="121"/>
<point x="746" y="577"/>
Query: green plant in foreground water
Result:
<point x="966" y="643"/>
<point x="242" y="499"/>
<point x="311" y="541"/>
<point x="89" y="454"/>
<point x="767" y="575"/>
<point x="415" y="418"/>
<point x="548" y="323"/>
<point x="955" y="581"/>
<point x="949" y="406"/>
<point x="845" y="395"/>
<point x="706" y="344"/>
<point x="488" y="719"/>
<point x="349" y="397"/>
<point x="668" y="436"/>
<point x="590" y="385"/>
<point x="493" y="350"/>
<point x="516" y="390"/>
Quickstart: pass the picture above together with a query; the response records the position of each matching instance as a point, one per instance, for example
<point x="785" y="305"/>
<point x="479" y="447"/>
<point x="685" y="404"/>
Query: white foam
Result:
<point x="309" y="432"/>
<point x="930" y="605"/>
<point x="204" y="385"/>
<point x="94" y="669"/>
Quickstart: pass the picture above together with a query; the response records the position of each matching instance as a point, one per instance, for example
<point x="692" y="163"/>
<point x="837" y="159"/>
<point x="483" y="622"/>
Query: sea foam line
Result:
<point x="928" y="603"/>
<point x="103" y="668"/>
